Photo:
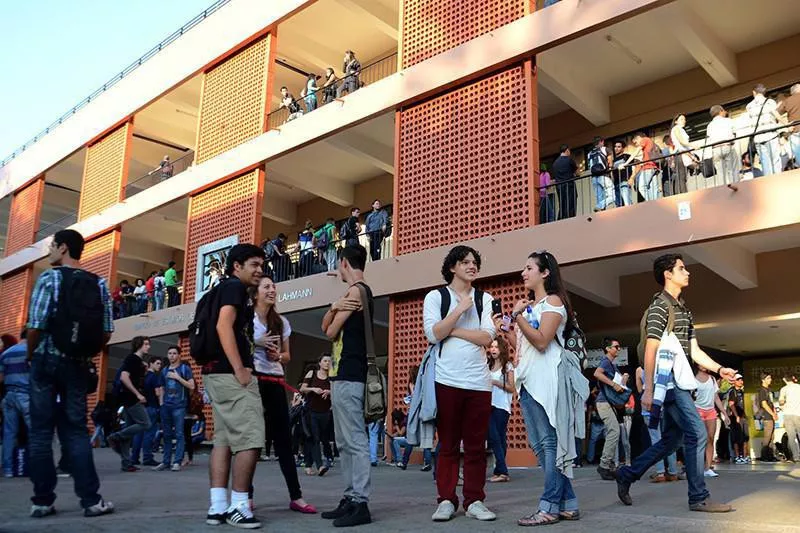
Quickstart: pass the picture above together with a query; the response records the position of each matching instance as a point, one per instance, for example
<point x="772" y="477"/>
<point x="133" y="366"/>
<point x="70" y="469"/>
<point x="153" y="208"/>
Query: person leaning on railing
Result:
<point x="352" y="69"/>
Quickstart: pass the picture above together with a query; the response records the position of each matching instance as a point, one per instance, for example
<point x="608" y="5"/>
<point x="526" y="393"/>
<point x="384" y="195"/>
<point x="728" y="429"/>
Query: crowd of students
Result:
<point x="478" y="358"/>
<point x="158" y="291"/>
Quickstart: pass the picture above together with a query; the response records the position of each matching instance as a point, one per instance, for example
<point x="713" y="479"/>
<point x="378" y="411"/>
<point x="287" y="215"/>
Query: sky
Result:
<point x="57" y="52"/>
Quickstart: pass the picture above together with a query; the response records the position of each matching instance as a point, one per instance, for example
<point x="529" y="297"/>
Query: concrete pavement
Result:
<point x="766" y="498"/>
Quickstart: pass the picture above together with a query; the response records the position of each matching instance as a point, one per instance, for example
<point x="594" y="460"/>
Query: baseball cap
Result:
<point x="737" y="376"/>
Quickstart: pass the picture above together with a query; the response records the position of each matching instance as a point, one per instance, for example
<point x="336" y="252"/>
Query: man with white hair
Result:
<point x="790" y="107"/>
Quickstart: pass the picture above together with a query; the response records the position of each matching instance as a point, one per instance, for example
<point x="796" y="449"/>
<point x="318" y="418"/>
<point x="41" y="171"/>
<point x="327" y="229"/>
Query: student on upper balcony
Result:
<point x="352" y="70"/>
<point x="726" y="159"/>
<point x="292" y="106"/>
<point x="764" y="115"/>
<point x="329" y="87"/>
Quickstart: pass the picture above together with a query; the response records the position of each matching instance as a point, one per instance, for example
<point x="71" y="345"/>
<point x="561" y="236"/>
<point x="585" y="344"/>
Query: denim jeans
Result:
<point x="375" y="429"/>
<point x="648" y="184"/>
<point x="51" y="377"/>
<point x="136" y="421"/>
<point x="558" y="494"/>
<point x="726" y="163"/>
<point x="655" y="436"/>
<point x="498" y="439"/>
<point x="625" y="194"/>
<point x="397" y="442"/>
<point x="144" y="441"/>
<point x="547" y="209"/>
<point x="769" y="155"/>
<point x="172" y="424"/>
<point x="99" y="433"/>
<point x="596" y="430"/>
<point x="681" y="423"/>
<point x="16" y="406"/>
<point x="794" y="141"/>
<point x="160" y="300"/>
<point x="604" y="192"/>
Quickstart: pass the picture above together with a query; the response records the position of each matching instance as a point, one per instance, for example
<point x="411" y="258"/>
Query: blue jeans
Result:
<point x="374" y="432"/>
<point x="558" y="494"/>
<point x="625" y="197"/>
<point x="137" y="421"/>
<point x="407" y="449"/>
<point x="769" y="155"/>
<point x="144" y="441"/>
<point x="16" y="406"/>
<point x="498" y="441"/>
<point x="648" y="184"/>
<point x="681" y="423"/>
<point x="172" y="424"/>
<point x="51" y="377"/>
<point x="160" y="300"/>
<point x="655" y="436"/>
<point x="596" y="430"/>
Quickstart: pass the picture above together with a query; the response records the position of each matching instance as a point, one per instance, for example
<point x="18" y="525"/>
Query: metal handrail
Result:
<point x="178" y="165"/>
<point x="366" y="75"/>
<point x="57" y="225"/>
<point x="113" y="81"/>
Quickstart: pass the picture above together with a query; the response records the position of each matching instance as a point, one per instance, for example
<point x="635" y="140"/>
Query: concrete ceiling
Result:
<point x="173" y="117"/>
<point x="654" y="45"/>
<point x="315" y="38"/>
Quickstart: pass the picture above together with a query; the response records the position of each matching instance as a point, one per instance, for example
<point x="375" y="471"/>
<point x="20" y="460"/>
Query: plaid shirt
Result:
<point x="43" y="306"/>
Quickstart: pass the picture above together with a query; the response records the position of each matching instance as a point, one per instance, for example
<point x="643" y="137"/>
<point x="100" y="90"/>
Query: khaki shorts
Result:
<point x="238" y="413"/>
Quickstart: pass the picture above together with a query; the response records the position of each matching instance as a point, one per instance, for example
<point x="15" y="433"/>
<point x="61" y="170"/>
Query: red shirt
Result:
<point x="150" y="285"/>
<point x="647" y="147"/>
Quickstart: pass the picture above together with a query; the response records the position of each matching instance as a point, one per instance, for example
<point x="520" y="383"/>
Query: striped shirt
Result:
<point x="14" y="368"/>
<point x="658" y="314"/>
<point x="43" y="308"/>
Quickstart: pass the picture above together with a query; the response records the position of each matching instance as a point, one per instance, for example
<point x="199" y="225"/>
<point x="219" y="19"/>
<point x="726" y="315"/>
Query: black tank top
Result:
<point x="353" y="362"/>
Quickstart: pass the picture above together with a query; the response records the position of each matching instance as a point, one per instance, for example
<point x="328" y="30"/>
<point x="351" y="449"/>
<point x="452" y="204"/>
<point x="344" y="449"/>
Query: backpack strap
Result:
<point x="479" y="303"/>
<point x="445" y="306"/>
<point x="370" y="340"/>
<point x="670" y="313"/>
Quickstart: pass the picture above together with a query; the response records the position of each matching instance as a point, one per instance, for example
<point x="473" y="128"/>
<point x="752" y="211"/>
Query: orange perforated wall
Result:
<point x="100" y="257"/>
<point x="232" y="208"/>
<point x="432" y="27"/>
<point x="15" y="291"/>
<point x="23" y="221"/>
<point x="466" y="163"/>
<point x="105" y="173"/>
<point x="198" y="380"/>
<point x="233" y="106"/>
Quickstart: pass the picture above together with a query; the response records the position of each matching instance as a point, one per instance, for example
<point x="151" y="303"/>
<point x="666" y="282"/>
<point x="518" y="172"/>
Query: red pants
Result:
<point x="462" y="415"/>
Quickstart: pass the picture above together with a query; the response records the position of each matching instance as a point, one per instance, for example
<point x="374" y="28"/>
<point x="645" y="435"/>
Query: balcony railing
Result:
<point x="295" y="263"/>
<point x="371" y="73"/>
<point x="713" y="165"/>
<point x="158" y="175"/>
<point x="62" y="223"/>
<point x="113" y="81"/>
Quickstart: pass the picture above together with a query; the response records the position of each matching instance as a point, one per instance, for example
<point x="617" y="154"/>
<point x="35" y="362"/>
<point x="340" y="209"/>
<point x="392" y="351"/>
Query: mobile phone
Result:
<point x="497" y="306"/>
<point x="506" y="325"/>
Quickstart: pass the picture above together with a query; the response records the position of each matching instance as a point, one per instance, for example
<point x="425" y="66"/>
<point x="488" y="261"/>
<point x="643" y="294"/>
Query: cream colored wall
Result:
<point x="775" y="65"/>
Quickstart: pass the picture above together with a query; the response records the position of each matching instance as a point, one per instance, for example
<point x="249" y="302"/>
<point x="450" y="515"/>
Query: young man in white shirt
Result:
<point x="789" y="400"/>
<point x="463" y="382"/>
<point x="764" y="115"/>
<point x="726" y="160"/>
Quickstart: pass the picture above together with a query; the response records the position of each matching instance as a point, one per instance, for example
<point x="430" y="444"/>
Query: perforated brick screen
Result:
<point x="232" y="208"/>
<point x="432" y="27"/>
<point x="23" y="221"/>
<point x="15" y="293"/>
<point x="409" y="345"/>
<point x="233" y="106"/>
<point x="106" y="171"/>
<point x="464" y="163"/>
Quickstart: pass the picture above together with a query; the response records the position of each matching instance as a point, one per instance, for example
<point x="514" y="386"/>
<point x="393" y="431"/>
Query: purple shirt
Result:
<point x="544" y="182"/>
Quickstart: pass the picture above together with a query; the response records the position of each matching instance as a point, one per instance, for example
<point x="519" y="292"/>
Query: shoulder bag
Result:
<point x="375" y="386"/>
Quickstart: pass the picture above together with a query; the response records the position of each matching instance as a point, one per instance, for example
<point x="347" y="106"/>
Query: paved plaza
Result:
<point x="766" y="498"/>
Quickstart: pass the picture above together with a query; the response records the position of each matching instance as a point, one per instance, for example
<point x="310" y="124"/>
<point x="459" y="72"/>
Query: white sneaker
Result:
<point x="444" y="512"/>
<point x="479" y="511"/>
<point x="176" y="467"/>
<point x="710" y="473"/>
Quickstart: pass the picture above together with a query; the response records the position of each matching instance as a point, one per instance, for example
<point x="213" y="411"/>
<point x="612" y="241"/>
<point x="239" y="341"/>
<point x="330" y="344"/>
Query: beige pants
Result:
<point x="609" y="417"/>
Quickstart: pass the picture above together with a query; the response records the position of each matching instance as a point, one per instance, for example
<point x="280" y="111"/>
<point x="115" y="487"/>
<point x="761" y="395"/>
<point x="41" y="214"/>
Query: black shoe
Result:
<point x="151" y="463"/>
<point x="426" y="468"/>
<point x="606" y="474"/>
<point x="136" y="462"/>
<point x="623" y="489"/>
<point x="345" y="508"/>
<point x="323" y="470"/>
<point x="359" y="515"/>
<point x="374" y="464"/>
<point x="402" y="466"/>
<point x="215" y="519"/>
<point x="99" y="509"/>
<point x="129" y="468"/>
<point x="242" y="518"/>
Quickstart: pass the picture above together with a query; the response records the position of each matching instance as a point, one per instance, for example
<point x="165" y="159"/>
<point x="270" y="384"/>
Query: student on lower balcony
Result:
<point x="726" y="160"/>
<point x="292" y="106"/>
<point x="646" y="177"/>
<point x="329" y="87"/>
<point x="621" y="174"/>
<point x="277" y="256"/>
<point x="547" y="197"/>
<point x="352" y="70"/>
<point x="564" y="169"/>
<point x="764" y="115"/>
<point x="305" y="240"/>
<point x="376" y="223"/>
<point x="310" y="97"/>
<point x="680" y="141"/>
<point x="325" y="238"/>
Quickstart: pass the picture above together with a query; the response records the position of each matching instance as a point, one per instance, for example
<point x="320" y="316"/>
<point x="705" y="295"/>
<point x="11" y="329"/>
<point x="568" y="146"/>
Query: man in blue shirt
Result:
<point x="53" y="374"/>
<point x="604" y="374"/>
<point x="376" y="223"/>
<point x="178" y="381"/>
<point x="15" y="374"/>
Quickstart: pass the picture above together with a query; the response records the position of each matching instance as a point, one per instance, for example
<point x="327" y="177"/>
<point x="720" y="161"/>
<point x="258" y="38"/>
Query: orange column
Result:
<point x="466" y="162"/>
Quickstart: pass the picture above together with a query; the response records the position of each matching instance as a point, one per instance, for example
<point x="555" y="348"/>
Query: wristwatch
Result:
<point x="514" y="315"/>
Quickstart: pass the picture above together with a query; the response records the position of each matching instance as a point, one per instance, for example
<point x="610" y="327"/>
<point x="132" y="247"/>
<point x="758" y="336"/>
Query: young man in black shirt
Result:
<point x="153" y="390"/>
<point x="681" y="420"/>
<point x="346" y="318"/>
<point x="740" y="434"/>
<point x="564" y="169"/>
<point x="137" y="421"/>
<point x="350" y="229"/>
<point x="768" y="416"/>
<point x="234" y="394"/>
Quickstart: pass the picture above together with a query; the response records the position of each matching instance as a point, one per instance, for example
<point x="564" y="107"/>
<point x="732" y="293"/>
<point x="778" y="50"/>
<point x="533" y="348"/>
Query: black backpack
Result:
<point x="77" y="325"/>
<point x="204" y="343"/>
<point x="598" y="162"/>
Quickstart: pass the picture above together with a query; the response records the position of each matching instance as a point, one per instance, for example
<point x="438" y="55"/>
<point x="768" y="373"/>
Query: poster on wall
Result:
<point x="211" y="259"/>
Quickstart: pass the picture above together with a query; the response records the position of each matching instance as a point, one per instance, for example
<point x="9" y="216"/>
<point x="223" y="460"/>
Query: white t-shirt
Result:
<point x="538" y="371"/>
<point x="140" y="289"/>
<point x="261" y="362"/>
<point x="719" y="129"/>
<point x="461" y="364"/>
<point x="791" y="393"/>
<point x="500" y="398"/>
<point x="767" y="118"/>
<point x="704" y="394"/>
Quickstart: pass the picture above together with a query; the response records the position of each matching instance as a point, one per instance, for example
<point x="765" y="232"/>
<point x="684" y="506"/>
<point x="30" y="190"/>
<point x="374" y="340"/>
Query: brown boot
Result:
<point x="709" y="506"/>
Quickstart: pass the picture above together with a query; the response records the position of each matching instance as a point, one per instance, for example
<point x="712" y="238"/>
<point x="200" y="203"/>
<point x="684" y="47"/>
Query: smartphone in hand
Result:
<point x="497" y="306"/>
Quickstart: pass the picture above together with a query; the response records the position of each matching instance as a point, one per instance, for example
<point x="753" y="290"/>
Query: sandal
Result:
<point x="499" y="478"/>
<point x="538" y="519"/>
<point x="569" y="515"/>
